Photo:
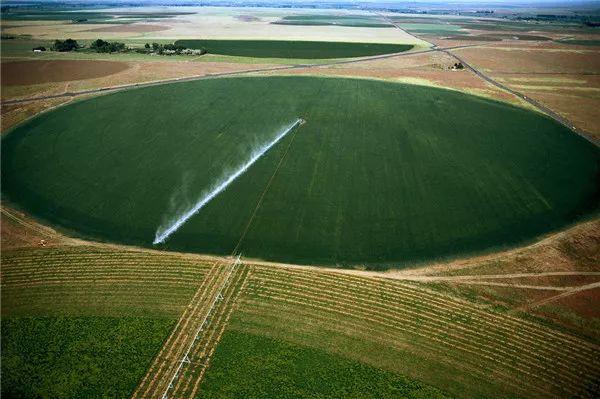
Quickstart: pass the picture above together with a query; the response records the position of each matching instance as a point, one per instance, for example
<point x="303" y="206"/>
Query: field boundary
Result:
<point x="224" y="74"/>
<point x="176" y="349"/>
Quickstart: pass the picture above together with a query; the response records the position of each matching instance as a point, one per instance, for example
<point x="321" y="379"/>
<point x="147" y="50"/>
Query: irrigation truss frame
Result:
<point x="218" y="297"/>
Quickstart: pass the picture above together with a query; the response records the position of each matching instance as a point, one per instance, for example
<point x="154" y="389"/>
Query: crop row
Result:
<point x="412" y="311"/>
<point x="389" y="288"/>
<point x="131" y="278"/>
<point x="91" y="253"/>
<point x="496" y="323"/>
<point x="166" y="362"/>
<point x="408" y="326"/>
<point x="458" y="338"/>
<point x="282" y="319"/>
<point x="189" y="381"/>
<point x="100" y="263"/>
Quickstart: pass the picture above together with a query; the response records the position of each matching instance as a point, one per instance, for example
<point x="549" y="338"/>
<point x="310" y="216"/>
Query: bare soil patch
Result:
<point x="17" y="230"/>
<point x="532" y="59"/>
<point x="499" y="37"/>
<point x="248" y="18"/>
<point x="137" y="28"/>
<point x="13" y="114"/>
<point x="22" y="73"/>
<point x="584" y="303"/>
<point x="432" y="69"/>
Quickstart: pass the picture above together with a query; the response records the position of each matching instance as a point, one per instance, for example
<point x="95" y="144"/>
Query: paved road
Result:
<point x="563" y="121"/>
<point x="215" y="75"/>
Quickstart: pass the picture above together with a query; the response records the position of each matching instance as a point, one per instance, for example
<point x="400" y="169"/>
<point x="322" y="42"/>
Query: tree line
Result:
<point x="103" y="46"/>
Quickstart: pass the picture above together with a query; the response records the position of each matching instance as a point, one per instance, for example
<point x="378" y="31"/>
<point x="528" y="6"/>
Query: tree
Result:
<point x="102" y="46"/>
<point x="146" y="45"/>
<point x="63" y="46"/>
<point x="155" y="46"/>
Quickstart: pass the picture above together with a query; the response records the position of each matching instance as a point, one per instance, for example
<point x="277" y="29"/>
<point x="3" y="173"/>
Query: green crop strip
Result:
<point x="251" y="366"/>
<point x="293" y="49"/>
<point x="77" y="357"/>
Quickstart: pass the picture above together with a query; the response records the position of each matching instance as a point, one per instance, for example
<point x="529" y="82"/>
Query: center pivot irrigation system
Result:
<point x="218" y="297"/>
<point x="163" y="234"/>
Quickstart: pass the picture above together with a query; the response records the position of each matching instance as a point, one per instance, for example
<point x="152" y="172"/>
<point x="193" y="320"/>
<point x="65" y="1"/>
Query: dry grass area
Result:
<point x="52" y="30"/>
<point x="556" y="279"/>
<point x="25" y="73"/>
<point x="130" y="73"/>
<point x="215" y="23"/>
<point x="14" y="114"/>
<point x="430" y="69"/>
<point x="252" y="24"/>
<point x="574" y="249"/>
<point x="535" y="58"/>
<point x="136" y="28"/>
<point x="469" y="348"/>
<point x="564" y="78"/>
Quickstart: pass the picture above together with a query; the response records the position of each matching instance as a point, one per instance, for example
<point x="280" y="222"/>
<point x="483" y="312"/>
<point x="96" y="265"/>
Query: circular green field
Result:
<point x="380" y="174"/>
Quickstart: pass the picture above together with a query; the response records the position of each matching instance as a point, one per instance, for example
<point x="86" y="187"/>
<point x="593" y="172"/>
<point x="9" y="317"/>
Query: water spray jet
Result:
<point x="162" y="234"/>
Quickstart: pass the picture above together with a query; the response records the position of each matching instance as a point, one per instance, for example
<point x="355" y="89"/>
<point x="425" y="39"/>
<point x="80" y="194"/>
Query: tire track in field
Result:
<point x="162" y="368"/>
<point x="192" y="375"/>
<point x="175" y="367"/>
<point x="569" y="292"/>
<point x="501" y="340"/>
<point x="268" y="185"/>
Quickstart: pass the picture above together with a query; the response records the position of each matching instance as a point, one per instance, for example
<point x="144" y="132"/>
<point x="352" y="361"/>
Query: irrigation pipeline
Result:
<point x="161" y="236"/>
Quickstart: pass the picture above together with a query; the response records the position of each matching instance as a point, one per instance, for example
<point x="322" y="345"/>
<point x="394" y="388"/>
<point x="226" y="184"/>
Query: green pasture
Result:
<point x="85" y="322"/>
<point x="78" y="357"/>
<point x="364" y="21"/>
<point x="293" y="49"/>
<point x="83" y="17"/>
<point x="250" y="366"/>
<point x="432" y="29"/>
<point x="580" y="42"/>
<point x="380" y="174"/>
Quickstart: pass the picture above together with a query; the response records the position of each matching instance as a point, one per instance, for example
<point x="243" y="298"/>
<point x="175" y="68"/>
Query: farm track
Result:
<point x="223" y="74"/>
<point x="569" y="292"/>
<point x="540" y="107"/>
<point x="179" y="366"/>
<point x="192" y="373"/>
<point x="554" y="363"/>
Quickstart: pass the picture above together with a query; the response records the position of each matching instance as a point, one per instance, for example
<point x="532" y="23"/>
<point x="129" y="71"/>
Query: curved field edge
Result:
<point x="293" y="49"/>
<point x="384" y="328"/>
<point x="87" y="321"/>
<point x="311" y="261"/>
<point x="248" y="366"/>
<point x="465" y="349"/>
